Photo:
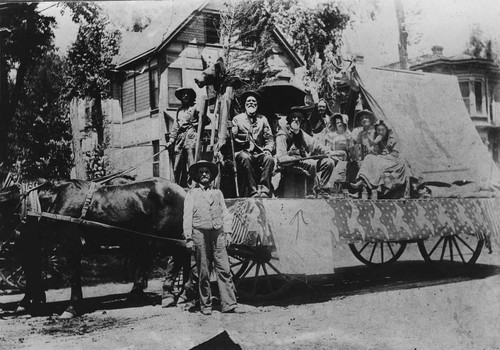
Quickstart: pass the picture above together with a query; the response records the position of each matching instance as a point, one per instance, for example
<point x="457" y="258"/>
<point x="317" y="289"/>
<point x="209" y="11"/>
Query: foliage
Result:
<point x="90" y="58"/>
<point x="41" y="133"/>
<point x="26" y="36"/>
<point x="97" y="163"/>
<point x="314" y="32"/>
<point x="478" y="47"/>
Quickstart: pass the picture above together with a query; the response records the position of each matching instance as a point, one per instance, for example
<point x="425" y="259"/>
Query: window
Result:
<point x="212" y="26"/>
<point x="174" y="82"/>
<point x="153" y="88"/>
<point x="156" y="158"/>
<point x="128" y="96"/>
<point x="464" y="89"/>
<point x="474" y="96"/>
<point x="478" y="94"/>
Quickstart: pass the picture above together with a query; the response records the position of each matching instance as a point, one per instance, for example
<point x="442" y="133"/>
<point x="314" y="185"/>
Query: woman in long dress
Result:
<point x="338" y="139"/>
<point x="384" y="170"/>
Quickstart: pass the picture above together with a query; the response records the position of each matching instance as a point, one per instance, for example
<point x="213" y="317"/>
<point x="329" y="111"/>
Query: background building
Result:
<point x="150" y="66"/>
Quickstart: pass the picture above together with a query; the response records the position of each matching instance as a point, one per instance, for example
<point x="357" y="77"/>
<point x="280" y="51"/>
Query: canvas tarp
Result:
<point x="438" y="139"/>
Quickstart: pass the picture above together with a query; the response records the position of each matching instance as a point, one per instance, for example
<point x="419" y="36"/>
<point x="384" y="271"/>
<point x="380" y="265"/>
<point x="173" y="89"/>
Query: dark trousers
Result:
<point x="252" y="166"/>
<point x="324" y="166"/>
<point x="182" y="162"/>
<point x="211" y="251"/>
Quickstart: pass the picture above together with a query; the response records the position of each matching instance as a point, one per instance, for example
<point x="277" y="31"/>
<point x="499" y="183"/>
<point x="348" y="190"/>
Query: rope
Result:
<point x="84" y="222"/>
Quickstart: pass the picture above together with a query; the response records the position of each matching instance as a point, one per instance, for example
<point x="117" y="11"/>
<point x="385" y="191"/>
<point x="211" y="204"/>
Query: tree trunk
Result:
<point x="98" y="120"/>
<point x="4" y="103"/>
<point x="403" y="34"/>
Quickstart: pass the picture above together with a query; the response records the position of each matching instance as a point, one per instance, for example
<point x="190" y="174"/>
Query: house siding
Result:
<point x="132" y="126"/>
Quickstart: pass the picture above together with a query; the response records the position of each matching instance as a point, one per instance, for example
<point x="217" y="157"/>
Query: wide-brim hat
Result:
<point x="343" y="117"/>
<point x="253" y="93"/>
<point x="365" y="113"/>
<point x="193" y="169"/>
<point x="303" y="111"/>
<point x="180" y="91"/>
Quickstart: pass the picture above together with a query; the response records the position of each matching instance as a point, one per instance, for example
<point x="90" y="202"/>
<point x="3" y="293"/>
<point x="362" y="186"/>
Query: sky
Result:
<point x="447" y="23"/>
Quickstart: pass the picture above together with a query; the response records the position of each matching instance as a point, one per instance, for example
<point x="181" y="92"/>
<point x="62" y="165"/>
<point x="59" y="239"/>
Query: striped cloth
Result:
<point x="8" y="180"/>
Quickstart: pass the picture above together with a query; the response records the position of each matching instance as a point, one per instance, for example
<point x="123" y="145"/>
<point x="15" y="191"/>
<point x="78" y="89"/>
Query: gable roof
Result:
<point x="135" y="45"/>
<point x="438" y="138"/>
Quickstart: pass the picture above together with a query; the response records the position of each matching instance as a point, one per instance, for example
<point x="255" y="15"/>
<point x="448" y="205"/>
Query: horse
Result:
<point x="153" y="207"/>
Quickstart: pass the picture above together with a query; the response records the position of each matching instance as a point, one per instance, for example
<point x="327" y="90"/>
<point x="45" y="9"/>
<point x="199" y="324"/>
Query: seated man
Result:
<point x="293" y="145"/>
<point x="253" y="147"/>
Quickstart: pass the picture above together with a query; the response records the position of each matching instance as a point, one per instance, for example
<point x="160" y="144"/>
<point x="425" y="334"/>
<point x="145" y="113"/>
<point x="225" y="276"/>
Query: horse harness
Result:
<point x="29" y="198"/>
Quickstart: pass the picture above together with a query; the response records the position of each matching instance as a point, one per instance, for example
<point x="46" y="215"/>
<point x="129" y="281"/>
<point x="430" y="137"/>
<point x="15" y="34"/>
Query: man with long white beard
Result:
<point x="254" y="145"/>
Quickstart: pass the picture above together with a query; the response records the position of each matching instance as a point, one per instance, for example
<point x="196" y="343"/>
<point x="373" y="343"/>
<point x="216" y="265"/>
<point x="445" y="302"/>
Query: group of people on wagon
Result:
<point x="309" y="138"/>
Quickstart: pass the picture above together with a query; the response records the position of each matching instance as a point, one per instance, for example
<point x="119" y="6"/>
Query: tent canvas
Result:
<point x="438" y="139"/>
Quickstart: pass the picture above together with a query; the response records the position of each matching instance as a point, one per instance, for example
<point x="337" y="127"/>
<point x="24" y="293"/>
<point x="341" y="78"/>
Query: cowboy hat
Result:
<point x="180" y="91"/>
<point x="365" y="113"/>
<point x="299" y="110"/>
<point x="253" y="93"/>
<point x="193" y="169"/>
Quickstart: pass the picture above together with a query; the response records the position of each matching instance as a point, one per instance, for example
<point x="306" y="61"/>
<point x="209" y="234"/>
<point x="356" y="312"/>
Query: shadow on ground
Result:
<point x="308" y="289"/>
<point x="357" y="280"/>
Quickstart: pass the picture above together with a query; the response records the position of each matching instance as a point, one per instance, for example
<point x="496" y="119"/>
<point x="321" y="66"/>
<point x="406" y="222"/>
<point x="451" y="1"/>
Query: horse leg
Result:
<point x="31" y="259"/>
<point x="142" y="262"/>
<point x="73" y="250"/>
<point x="181" y="259"/>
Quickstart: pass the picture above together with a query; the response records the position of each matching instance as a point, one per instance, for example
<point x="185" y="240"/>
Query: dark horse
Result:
<point x="153" y="207"/>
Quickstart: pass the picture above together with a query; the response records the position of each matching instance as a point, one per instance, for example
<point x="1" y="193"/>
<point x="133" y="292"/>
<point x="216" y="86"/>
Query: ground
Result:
<point x="409" y="305"/>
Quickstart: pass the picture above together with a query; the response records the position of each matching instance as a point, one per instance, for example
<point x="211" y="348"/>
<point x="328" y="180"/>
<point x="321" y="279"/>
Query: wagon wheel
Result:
<point x="255" y="276"/>
<point x="11" y="272"/>
<point x="460" y="248"/>
<point x="377" y="253"/>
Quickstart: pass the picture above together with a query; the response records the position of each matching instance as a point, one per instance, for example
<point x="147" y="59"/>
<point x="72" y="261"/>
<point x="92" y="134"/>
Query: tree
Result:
<point x="90" y="59"/>
<point x="478" y="46"/>
<point x="26" y="36"/>
<point x="314" y="32"/>
<point x="40" y="136"/>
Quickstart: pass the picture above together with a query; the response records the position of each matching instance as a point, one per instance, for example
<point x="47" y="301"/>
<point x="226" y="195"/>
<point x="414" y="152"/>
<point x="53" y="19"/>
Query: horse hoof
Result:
<point x="20" y="309"/>
<point x="66" y="315"/>
<point x="167" y="302"/>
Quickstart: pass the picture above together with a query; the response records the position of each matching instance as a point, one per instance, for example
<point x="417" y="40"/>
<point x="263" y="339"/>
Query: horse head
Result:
<point x="344" y="73"/>
<point x="212" y="74"/>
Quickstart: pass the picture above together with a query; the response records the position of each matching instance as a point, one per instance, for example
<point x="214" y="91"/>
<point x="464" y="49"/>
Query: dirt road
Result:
<point x="407" y="306"/>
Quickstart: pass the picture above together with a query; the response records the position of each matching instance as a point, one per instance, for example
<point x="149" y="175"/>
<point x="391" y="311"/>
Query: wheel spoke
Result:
<point x="275" y="269"/>
<point x="248" y="270"/>
<point x="459" y="251"/>
<point x="390" y="248"/>
<point x="444" y="248"/>
<point x="465" y="243"/>
<point x="450" y="239"/>
<point x="437" y="244"/>
<point x="373" y="251"/>
<point x="363" y="248"/>
<point x="238" y="263"/>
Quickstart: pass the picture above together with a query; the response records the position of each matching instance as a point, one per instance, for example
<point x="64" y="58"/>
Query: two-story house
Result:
<point x="150" y="66"/>
<point x="479" y="81"/>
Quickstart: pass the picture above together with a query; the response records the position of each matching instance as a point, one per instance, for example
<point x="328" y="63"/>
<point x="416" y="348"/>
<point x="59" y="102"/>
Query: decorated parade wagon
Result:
<point x="275" y="238"/>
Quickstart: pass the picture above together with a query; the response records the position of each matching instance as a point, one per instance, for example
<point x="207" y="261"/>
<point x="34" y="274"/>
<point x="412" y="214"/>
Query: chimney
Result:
<point x="437" y="50"/>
